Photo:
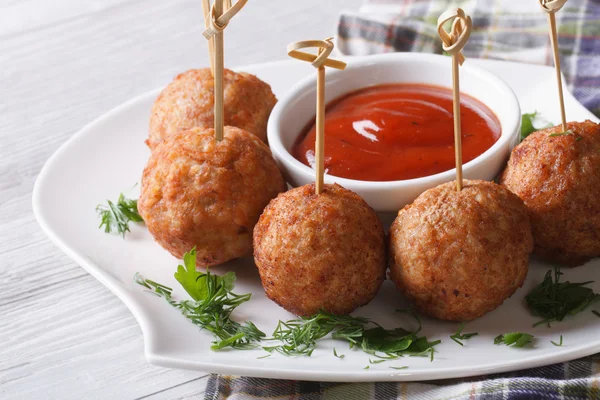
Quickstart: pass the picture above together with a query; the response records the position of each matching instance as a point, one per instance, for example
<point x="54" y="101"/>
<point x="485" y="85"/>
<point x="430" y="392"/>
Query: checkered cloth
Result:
<point x="515" y="30"/>
<point x="579" y="379"/>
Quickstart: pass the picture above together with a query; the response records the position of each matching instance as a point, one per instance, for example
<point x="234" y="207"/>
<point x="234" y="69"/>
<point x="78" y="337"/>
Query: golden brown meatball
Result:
<point x="458" y="255"/>
<point x="558" y="178"/>
<point x="322" y="251"/>
<point x="188" y="102"/>
<point x="200" y="192"/>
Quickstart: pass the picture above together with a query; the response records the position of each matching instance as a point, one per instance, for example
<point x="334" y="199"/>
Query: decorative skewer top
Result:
<point x="455" y="40"/>
<point x="219" y="23"/>
<point x="552" y="6"/>
<point x="317" y="61"/>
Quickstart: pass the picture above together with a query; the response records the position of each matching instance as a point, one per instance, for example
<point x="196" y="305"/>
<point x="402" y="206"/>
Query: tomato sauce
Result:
<point x="397" y="131"/>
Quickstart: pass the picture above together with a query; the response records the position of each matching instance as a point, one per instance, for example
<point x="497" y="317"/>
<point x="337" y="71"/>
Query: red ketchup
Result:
<point x="397" y="131"/>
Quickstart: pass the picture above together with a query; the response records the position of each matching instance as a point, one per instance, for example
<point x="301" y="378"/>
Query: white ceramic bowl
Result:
<point x="297" y="108"/>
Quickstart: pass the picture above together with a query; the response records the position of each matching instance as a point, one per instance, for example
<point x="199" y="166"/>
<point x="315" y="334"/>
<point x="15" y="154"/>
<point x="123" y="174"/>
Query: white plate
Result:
<point x="108" y="156"/>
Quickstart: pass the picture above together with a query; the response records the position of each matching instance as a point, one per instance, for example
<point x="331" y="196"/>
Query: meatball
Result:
<point x="208" y="194"/>
<point x="458" y="255"/>
<point x="323" y="251"/>
<point x="558" y="178"/>
<point x="188" y="102"/>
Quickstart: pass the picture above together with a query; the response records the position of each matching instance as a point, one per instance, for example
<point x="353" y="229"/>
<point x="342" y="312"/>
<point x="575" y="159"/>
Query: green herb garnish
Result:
<point x="553" y="300"/>
<point x="527" y="127"/>
<point x="117" y="216"/>
<point x="377" y="361"/>
<point x="367" y="367"/>
<point x="458" y="336"/>
<point x="565" y="133"/>
<point x="514" y="339"/>
<point x="336" y="354"/>
<point x="559" y="344"/>
<point x="403" y="367"/>
<point x="212" y="306"/>
<point x="299" y="337"/>
<point x="214" y="302"/>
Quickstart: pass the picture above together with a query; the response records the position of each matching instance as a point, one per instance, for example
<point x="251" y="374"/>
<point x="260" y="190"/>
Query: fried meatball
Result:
<point x="200" y="192"/>
<point x="558" y="178"/>
<point x="323" y="251"/>
<point x="458" y="255"/>
<point x="188" y="102"/>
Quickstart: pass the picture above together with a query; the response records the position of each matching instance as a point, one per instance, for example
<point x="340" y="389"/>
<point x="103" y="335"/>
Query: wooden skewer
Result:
<point x="554" y="41"/>
<point x="218" y="74"/>
<point x="453" y="43"/>
<point x="211" y="42"/>
<point x="319" y="61"/>
<point x="218" y="21"/>
<point x="457" y="126"/>
<point x="551" y="7"/>
<point x="320" y="143"/>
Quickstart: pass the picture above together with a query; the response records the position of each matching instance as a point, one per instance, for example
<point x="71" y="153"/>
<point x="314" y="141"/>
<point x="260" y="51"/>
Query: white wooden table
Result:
<point x="64" y="63"/>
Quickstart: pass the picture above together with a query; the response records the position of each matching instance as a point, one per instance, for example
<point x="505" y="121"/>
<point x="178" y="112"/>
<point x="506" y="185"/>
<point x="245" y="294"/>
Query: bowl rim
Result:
<point x="359" y="62"/>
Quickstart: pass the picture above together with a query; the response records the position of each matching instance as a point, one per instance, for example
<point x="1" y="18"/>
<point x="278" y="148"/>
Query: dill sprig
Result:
<point x="554" y="300"/>
<point x="212" y="305"/>
<point x="117" y="216"/>
<point x="514" y="339"/>
<point x="299" y="337"/>
<point x="559" y="344"/>
<point x="458" y="336"/>
<point x="568" y="132"/>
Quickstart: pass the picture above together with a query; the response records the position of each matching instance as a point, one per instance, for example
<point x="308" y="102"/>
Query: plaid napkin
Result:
<point x="514" y="30"/>
<point x="579" y="379"/>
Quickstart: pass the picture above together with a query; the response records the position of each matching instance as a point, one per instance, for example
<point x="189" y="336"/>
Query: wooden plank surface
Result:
<point x="64" y="63"/>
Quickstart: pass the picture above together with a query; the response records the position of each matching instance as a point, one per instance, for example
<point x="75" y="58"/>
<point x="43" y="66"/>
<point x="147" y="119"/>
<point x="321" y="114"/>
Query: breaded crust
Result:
<point x="188" y="102"/>
<point x="558" y="178"/>
<point x="459" y="255"/>
<point x="320" y="251"/>
<point x="197" y="192"/>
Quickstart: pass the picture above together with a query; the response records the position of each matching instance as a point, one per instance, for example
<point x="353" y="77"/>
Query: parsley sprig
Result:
<point x="117" y="216"/>
<point x="514" y="339"/>
<point x="212" y="305"/>
<point x="527" y="127"/>
<point x="554" y="300"/>
<point x="458" y="336"/>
